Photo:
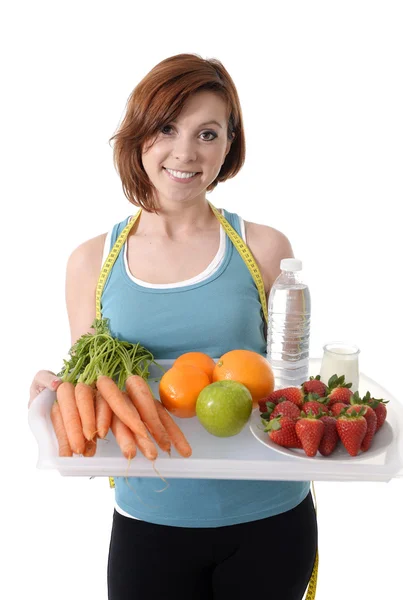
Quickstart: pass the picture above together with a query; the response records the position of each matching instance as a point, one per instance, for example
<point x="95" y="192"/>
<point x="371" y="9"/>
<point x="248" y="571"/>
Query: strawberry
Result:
<point x="273" y="397"/>
<point x="338" y="391"/>
<point x="370" y="417"/>
<point x="352" y="429"/>
<point x="381" y="412"/>
<point x="315" y="386"/>
<point x="336" y="409"/>
<point x="315" y="406"/>
<point x="309" y="429"/>
<point x="267" y="409"/>
<point x="286" y="409"/>
<point x="339" y="394"/>
<point x="336" y="381"/>
<point x="282" y="431"/>
<point x="330" y="436"/>
<point x="379" y="406"/>
<point x="293" y="394"/>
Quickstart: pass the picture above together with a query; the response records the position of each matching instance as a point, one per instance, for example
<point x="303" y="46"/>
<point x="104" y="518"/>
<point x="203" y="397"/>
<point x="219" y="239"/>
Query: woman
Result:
<point x="180" y="285"/>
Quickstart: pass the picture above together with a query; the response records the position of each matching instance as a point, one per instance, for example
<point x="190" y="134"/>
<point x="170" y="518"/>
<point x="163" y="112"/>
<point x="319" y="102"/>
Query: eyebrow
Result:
<point x="209" y="123"/>
<point x="206" y="123"/>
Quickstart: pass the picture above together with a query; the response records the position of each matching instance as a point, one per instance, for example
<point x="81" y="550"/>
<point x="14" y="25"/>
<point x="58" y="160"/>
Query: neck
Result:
<point x="176" y="221"/>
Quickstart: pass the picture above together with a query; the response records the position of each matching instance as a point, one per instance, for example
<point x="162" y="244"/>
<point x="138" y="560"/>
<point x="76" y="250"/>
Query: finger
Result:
<point x="43" y="379"/>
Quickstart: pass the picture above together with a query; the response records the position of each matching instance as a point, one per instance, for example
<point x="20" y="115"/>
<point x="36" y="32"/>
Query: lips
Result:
<point x="186" y="180"/>
<point x="180" y="171"/>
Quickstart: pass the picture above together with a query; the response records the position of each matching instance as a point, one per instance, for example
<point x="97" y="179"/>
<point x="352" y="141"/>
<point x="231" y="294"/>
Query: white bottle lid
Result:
<point x="291" y="264"/>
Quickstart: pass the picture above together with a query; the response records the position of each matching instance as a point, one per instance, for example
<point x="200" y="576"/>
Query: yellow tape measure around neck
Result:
<point x="238" y="242"/>
<point x="246" y="256"/>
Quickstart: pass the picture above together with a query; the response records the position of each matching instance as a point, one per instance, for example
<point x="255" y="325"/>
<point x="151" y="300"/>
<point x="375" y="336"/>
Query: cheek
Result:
<point x="219" y="154"/>
<point x="217" y="158"/>
<point x="157" y="155"/>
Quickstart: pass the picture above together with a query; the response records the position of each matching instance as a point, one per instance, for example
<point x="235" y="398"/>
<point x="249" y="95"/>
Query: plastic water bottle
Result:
<point x="289" y="310"/>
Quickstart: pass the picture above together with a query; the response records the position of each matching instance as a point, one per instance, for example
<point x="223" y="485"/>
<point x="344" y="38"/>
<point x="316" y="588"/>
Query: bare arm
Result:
<point x="82" y="273"/>
<point x="269" y="246"/>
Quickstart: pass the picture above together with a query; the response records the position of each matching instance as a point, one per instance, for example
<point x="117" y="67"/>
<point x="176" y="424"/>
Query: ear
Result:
<point x="228" y="148"/>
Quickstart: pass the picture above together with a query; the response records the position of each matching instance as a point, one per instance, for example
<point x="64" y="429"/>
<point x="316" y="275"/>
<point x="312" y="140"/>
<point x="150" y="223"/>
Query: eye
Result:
<point x="165" y="127"/>
<point x="212" y="134"/>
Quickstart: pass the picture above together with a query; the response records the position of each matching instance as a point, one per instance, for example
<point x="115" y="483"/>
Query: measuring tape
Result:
<point x="246" y="256"/>
<point x="248" y="259"/>
<point x="239" y="244"/>
<point x="311" y="591"/>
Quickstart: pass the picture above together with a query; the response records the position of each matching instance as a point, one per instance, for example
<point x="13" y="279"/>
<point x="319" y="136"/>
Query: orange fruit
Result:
<point x="247" y="367"/>
<point x="180" y="387"/>
<point x="197" y="359"/>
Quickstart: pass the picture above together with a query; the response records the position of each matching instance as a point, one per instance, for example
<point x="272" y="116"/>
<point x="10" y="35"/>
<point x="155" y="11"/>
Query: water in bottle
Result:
<point x="288" y="328"/>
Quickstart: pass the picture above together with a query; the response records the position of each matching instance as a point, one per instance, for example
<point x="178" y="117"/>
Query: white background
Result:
<point x="321" y="89"/>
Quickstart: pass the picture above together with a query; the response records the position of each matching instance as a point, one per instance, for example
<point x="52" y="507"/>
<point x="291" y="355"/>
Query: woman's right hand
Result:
<point x="43" y="379"/>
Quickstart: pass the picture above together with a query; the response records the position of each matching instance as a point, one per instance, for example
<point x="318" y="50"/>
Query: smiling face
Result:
<point x="188" y="153"/>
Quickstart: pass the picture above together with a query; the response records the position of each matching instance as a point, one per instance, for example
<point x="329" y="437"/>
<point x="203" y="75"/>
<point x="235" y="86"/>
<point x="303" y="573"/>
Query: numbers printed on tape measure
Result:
<point x="112" y="256"/>
<point x="232" y="234"/>
<point x="246" y="256"/>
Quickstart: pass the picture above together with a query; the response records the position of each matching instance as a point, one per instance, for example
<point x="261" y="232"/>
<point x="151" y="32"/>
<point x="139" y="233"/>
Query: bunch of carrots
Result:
<point x="105" y="387"/>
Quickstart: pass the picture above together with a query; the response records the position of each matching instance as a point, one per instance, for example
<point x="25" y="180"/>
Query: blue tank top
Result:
<point x="216" y="312"/>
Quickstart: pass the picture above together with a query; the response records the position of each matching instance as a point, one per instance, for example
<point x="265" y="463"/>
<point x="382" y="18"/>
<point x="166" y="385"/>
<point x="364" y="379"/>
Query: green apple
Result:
<point x="224" y="407"/>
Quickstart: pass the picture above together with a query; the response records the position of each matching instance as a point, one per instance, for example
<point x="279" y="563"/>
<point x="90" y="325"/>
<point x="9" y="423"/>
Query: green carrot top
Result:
<point x="100" y="353"/>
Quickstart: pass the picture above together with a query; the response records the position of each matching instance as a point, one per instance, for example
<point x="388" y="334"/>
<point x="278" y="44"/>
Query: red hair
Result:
<point x="157" y="100"/>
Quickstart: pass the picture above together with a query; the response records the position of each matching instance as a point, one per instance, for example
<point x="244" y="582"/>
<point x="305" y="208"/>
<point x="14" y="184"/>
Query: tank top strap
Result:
<point x="235" y="221"/>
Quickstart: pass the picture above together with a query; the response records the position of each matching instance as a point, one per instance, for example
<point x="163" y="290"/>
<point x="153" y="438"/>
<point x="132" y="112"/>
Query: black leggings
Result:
<point x="270" y="558"/>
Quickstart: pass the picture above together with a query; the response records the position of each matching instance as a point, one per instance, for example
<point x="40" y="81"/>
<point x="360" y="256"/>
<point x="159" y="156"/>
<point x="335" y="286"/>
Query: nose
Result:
<point x="184" y="150"/>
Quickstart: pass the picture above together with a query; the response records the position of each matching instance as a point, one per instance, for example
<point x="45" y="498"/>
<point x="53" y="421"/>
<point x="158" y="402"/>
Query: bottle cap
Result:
<point x="291" y="264"/>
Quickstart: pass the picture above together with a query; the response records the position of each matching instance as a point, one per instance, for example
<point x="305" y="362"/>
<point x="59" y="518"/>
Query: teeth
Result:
<point x="181" y="175"/>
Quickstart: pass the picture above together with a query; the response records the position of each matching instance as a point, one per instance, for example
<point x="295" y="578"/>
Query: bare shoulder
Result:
<point x="82" y="273"/>
<point x="88" y="255"/>
<point x="269" y="246"/>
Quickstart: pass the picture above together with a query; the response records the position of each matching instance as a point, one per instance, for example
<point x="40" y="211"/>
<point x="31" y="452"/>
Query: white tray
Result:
<point x="238" y="457"/>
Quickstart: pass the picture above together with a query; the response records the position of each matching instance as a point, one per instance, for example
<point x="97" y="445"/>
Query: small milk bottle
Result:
<point x="289" y="311"/>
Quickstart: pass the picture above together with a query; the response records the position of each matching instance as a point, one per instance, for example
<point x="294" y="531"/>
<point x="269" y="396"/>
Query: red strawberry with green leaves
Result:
<point x="281" y="430"/>
<point x="337" y="408"/>
<point x="267" y="409"/>
<point x="286" y="409"/>
<point x="338" y="390"/>
<point x="379" y="406"/>
<point x="330" y="437"/>
<point x="293" y="394"/>
<point x="370" y="416"/>
<point x="309" y="429"/>
<point x="352" y="429"/>
<point x="273" y="398"/>
<point x="315" y="403"/>
<point x="315" y="386"/>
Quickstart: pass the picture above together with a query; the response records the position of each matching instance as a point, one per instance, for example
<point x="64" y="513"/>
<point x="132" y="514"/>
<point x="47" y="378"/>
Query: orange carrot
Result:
<point x="71" y="418"/>
<point x="175" y="433"/>
<point x="103" y="415"/>
<point x="147" y="447"/>
<point x="86" y="408"/>
<point x="143" y="400"/>
<point x="121" y="405"/>
<point x="90" y="447"/>
<point x="60" y="430"/>
<point x="124" y="437"/>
